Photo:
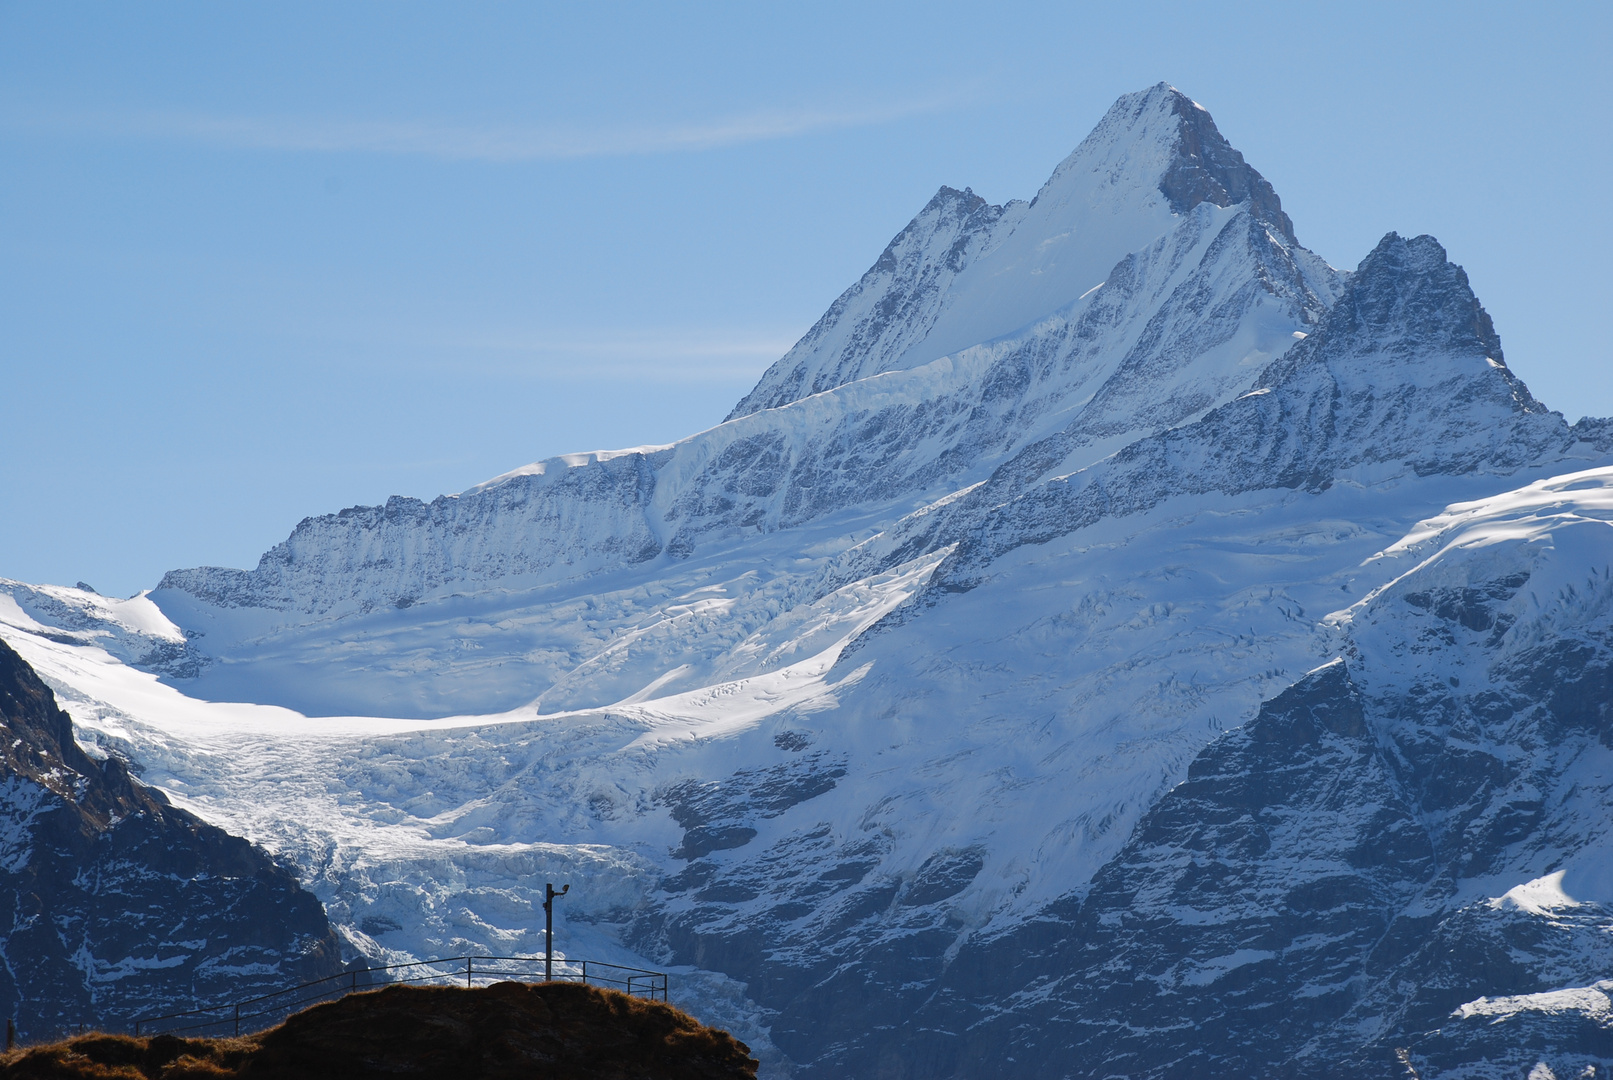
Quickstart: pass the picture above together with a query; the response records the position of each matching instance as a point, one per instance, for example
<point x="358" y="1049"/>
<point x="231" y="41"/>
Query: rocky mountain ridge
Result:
<point x="1405" y="367"/>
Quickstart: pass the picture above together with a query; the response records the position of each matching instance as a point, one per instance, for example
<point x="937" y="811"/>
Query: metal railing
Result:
<point x="266" y="1010"/>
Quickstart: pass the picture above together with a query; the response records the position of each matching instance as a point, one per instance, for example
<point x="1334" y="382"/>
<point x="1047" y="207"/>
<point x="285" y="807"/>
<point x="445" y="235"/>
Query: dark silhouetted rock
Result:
<point x="556" y="1031"/>
<point x="115" y="903"/>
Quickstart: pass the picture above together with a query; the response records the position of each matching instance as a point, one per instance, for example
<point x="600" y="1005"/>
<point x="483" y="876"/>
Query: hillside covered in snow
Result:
<point x="1111" y="641"/>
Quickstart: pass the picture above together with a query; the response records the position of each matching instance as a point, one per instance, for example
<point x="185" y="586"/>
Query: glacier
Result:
<point x="888" y="713"/>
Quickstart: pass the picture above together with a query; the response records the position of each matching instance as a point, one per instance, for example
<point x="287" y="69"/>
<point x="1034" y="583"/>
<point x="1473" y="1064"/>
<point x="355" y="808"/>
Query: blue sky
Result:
<point x="264" y="261"/>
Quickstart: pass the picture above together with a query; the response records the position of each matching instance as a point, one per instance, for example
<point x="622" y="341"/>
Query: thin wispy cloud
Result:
<point x="675" y="356"/>
<point x="473" y="142"/>
<point x="665" y="355"/>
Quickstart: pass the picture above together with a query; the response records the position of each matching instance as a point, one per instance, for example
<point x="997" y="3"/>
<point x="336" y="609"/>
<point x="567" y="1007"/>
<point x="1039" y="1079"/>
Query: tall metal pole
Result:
<point x="548" y="927"/>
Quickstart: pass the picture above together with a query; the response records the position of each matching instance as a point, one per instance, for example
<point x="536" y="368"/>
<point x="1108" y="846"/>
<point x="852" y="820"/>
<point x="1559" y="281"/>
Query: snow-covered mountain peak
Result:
<point x="1161" y="140"/>
<point x="965" y="272"/>
<point x="1132" y="296"/>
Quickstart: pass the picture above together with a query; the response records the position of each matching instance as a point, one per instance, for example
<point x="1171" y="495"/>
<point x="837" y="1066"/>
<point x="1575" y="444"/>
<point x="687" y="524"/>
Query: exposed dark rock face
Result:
<point x="1281" y="913"/>
<point x="717" y="815"/>
<point x="1596" y="432"/>
<point x="1207" y="168"/>
<point x="1235" y="923"/>
<point x="841" y="957"/>
<point x="837" y="943"/>
<point x="115" y="903"/>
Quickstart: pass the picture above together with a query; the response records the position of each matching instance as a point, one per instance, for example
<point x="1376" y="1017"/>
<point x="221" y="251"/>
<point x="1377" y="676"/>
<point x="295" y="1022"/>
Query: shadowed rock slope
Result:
<point x="554" y="1030"/>
<point x="1289" y="910"/>
<point x="113" y="902"/>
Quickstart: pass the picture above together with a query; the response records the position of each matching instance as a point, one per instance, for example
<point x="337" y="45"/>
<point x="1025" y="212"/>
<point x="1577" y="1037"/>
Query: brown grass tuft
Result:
<point x="99" y="1056"/>
<point x="559" y="1031"/>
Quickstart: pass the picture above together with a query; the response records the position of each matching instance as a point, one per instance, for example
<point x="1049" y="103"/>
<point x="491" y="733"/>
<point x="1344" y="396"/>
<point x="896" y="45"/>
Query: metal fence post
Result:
<point x="467" y="972"/>
<point x="549" y="895"/>
<point x="238" y="1018"/>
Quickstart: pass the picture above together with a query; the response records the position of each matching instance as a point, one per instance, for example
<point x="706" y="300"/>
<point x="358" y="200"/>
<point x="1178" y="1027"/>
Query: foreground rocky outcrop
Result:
<point x="555" y="1030"/>
<point x="115" y="903"/>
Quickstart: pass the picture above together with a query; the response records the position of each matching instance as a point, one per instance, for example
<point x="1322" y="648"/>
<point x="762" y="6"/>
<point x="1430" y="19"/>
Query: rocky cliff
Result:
<point x="116" y="903"/>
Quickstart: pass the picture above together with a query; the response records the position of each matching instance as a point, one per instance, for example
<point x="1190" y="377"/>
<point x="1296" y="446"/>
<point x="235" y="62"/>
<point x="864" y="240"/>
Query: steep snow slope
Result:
<point x="891" y="671"/>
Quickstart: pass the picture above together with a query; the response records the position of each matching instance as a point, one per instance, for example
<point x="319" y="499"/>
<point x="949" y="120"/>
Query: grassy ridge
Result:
<point x="558" y="1031"/>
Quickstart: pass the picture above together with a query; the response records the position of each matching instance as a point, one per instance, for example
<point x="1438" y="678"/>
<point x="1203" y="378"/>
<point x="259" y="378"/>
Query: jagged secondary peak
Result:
<point x="948" y="209"/>
<point x="1404" y="367"/>
<point x="873" y="323"/>
<point x="1407" y="297"/>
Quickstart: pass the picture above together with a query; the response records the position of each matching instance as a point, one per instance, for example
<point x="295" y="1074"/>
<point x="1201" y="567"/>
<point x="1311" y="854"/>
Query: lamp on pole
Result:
<point x="548" y="927"/>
